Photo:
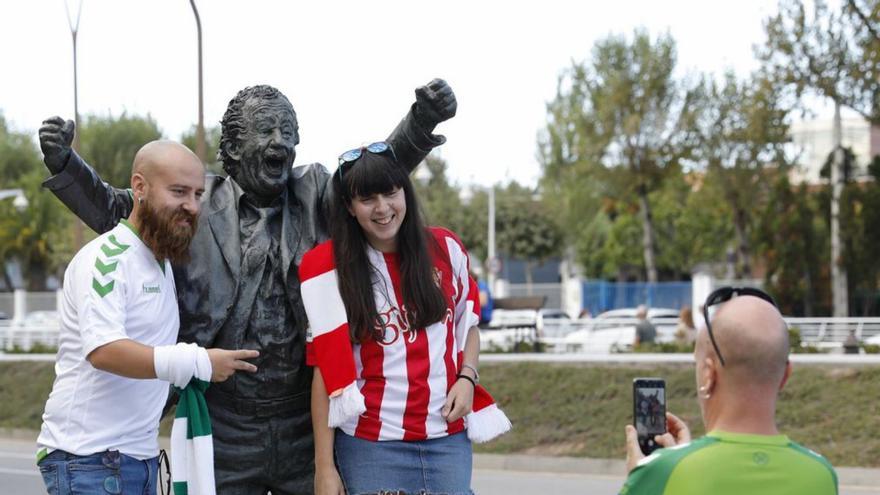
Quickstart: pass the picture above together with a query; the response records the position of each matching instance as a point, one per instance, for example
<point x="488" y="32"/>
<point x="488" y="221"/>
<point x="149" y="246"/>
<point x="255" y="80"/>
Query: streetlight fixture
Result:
<point x="20" y="202"/>
<point x="74" y="29"/>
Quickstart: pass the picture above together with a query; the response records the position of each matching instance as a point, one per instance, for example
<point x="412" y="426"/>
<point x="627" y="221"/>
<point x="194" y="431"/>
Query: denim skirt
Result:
<point x="439" y="466"/>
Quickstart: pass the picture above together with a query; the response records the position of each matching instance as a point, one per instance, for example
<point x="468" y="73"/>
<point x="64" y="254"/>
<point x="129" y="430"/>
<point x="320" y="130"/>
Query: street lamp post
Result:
<point x="200" y="128"/>
<point x="74" y="29"/>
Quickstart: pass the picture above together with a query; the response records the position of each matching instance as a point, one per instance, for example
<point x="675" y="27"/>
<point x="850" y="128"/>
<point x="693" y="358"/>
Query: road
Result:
<point x="19" y="476"/>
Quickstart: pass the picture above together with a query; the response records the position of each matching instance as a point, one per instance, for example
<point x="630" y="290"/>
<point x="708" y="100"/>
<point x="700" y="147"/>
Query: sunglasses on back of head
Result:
<point x="724" y="294"/>
<point x="347" y="159"/>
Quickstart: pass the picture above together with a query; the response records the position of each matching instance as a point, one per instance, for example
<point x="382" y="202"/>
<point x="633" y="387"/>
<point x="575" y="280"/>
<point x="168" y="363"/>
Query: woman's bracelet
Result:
<point x="474" y="383"/>
<point x="476" y="373"/>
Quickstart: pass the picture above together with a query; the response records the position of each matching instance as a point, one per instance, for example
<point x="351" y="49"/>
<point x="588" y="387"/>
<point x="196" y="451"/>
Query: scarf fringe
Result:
<point x="486" y="424"/>
<point x="345" y="405"/>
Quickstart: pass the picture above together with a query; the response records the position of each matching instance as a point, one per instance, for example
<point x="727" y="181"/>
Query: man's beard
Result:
<point x="161" y="232"/>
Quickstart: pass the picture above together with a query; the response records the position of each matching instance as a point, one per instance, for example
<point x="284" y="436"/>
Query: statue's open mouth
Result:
<point x="275" y="162"/>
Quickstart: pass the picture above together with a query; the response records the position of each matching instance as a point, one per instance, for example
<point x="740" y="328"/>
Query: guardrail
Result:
<point x="22" y="337"/>
<point x="601" y="333"/>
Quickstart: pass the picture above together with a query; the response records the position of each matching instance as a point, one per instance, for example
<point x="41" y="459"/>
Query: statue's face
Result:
<point x="266" y="148"/>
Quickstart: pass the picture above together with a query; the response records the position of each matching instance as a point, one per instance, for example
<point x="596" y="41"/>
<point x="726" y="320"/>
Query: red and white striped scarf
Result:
<point x="330" y="348"/>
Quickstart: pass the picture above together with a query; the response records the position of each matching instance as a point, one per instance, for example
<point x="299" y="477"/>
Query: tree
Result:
<point x="743" y="130"/>
<point x="792" y="238"/>
<point x="525" y="228"/>
<point x="623" y="109"/>
<point x="828" y="54"/>
<point x="212" y="142"/>
<point x="38" y="238"/>
<point x="110" y="143"/>
<point x="18" y="155"/>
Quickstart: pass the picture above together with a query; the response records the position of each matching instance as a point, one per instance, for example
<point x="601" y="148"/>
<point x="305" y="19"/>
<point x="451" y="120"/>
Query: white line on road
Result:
<point x="23" y="472"/>
<point x="16" y="455"/>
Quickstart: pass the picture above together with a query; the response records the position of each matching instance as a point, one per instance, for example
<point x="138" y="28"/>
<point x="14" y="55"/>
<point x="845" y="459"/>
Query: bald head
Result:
<point x="165" y="157"/>
<point x="753" y="339"/>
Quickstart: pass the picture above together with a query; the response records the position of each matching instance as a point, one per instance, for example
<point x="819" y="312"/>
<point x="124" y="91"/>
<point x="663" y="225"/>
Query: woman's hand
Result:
<point x="328" y="482"/>
<point x="459" y="400"/>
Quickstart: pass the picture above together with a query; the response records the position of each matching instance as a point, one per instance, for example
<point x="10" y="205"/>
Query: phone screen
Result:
<point x="649" y="411"/>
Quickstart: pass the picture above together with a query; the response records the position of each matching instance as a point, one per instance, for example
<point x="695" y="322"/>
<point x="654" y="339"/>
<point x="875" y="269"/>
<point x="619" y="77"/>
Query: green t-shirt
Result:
<point x="724" y="463"/>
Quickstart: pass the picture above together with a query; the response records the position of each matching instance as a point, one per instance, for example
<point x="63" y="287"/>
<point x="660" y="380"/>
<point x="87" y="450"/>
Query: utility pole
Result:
<point x="839" y="295"/>
<point x="74" y="29"/>
<point x="200" y="128"/>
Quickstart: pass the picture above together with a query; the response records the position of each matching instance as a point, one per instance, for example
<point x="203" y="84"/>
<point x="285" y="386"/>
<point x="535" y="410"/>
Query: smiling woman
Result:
<point x="397" y="299"/>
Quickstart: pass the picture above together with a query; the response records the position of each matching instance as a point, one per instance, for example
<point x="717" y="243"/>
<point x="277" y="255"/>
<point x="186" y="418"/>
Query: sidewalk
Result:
<point x="847" y="476"/>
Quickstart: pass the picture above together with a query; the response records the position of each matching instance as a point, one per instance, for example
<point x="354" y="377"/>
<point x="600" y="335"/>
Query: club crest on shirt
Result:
<point x="394" y="322"/>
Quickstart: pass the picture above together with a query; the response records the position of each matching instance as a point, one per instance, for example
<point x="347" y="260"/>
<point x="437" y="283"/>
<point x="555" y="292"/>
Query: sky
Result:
<point x="348" y="67"/>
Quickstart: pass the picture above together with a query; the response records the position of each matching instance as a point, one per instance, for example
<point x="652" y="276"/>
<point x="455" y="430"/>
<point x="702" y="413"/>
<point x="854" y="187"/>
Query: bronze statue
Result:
<point x="240" y="289"/>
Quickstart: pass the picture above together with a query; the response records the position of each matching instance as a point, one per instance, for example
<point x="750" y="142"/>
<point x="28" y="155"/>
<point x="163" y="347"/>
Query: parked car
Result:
<point x="616" y="329"/>
<point x="511" y="326"/>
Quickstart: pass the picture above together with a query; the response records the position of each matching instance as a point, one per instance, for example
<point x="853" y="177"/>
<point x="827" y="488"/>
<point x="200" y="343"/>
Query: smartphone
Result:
<point x="649" y="411"/>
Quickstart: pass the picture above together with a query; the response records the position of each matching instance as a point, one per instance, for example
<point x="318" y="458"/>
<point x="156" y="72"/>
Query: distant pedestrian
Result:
<point x="645" y="331"/>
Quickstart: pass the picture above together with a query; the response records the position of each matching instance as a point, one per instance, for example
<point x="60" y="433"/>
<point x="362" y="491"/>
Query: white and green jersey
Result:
<point x="114" y="288"/>
<point x="724" y="463"/>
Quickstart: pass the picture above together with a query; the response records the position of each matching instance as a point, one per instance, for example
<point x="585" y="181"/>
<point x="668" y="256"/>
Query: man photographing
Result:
<point x="119" y="325"/>
<point x="741" y="366"/>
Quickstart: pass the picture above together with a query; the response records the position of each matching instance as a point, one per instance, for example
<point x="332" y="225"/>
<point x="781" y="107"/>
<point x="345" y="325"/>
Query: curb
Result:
<point x="847" y="476"/>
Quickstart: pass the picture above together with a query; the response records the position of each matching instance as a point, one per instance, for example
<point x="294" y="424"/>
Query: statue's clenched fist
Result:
<point x="56" y="134"/>
<point x="435" y="103"/>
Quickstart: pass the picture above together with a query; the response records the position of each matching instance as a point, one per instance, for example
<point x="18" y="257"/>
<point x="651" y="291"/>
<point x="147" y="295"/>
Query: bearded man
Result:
<point x="119" y="324"/>
<point x="241" y="288"/>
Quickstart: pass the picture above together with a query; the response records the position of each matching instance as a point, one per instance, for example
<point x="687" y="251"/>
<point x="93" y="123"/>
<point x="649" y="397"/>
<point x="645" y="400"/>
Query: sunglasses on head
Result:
<point x="724" y="294"/>
<point x="347" y="159"/>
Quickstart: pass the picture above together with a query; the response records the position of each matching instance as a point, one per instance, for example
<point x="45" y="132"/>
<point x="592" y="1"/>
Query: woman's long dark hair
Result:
<point x="423" y="300"/>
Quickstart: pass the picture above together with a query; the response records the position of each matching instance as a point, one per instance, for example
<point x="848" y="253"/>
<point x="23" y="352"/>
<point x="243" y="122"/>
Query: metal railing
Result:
<point x="596" y="333"/>
<point x="604" y="334"/>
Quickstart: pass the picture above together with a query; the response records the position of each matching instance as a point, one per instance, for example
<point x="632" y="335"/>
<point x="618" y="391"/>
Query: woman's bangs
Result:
<point x="374" y="174"/>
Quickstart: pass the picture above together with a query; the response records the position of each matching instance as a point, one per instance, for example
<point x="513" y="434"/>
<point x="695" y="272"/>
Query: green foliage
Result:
<point x="525" y="228"/>
<point x="621" y="110"/>
<point x="212" y="142"/>
<point x="827" y="52"/>
<point x="109" y="144"/>
<point x="39" y="238"/>
<point x="442" y="206"/>
<point x="743" y="131"/>
<point x="18" y="155"/>
<point x="793" y="241"/>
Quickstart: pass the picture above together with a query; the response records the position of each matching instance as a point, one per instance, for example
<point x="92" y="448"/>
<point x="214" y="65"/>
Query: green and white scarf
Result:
<point x="192" y="446"/>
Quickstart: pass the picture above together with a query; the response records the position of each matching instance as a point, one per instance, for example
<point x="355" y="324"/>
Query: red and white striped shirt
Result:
<point x="405" y="378"/>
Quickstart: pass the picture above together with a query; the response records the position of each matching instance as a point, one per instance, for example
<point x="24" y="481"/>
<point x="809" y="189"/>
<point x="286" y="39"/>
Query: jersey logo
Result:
<point x="760" y="458"/>
<point x="393" y="322"/>
<point x="105" y="268"/>
<point x="151" y="289"/>
<point x="102" y="290"/>
<point x="113" y="251"/>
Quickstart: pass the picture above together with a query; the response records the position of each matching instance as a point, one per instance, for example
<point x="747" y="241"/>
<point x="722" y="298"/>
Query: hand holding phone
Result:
<point x="649" y="411"/>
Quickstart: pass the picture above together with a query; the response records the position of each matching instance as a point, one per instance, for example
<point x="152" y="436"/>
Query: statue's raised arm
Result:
<point x="76" y="184"/>
<point x="412" y="139"/>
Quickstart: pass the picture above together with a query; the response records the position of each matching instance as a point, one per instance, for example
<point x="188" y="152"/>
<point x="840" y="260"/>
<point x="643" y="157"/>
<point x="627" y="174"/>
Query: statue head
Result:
<point x="258" y="139"/>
